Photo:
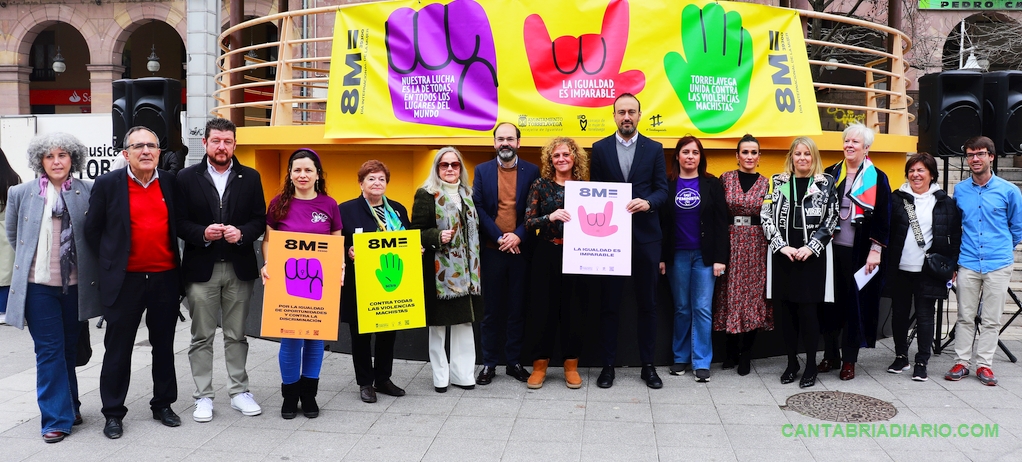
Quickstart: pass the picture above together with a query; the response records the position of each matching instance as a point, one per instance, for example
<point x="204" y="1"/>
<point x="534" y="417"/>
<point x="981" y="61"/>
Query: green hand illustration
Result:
<point x="713" y="84"/>
<point x="390" y="272"/>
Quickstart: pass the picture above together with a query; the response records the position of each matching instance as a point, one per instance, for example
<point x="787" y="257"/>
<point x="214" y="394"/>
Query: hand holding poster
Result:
<point x="388" y="281"/>
<point x="302" y="297"/>
<point x="598" y="239"/>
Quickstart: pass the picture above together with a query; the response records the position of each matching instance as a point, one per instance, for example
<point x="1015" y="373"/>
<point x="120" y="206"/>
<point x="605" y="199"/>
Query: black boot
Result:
<point x="745" y="356"/>
<point x="730" y="351"/>
<point x="289" y="409"/>
<point x="309" y="389"/>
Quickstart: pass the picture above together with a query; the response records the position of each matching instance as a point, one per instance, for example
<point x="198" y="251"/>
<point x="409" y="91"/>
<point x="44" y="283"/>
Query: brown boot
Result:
<point x="538" y="373"/>
<point x="571" y="376"/>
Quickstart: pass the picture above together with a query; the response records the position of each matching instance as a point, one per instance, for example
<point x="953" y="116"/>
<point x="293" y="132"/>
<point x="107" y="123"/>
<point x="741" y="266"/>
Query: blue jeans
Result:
<point x="4" y="292"/>
<point x="300" y="358"/>
<point x="692" y="289"/>
<point x="52" y="319"/>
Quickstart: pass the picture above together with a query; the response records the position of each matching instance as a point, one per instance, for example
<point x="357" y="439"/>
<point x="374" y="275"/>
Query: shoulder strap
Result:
<point x="914" y="221"/>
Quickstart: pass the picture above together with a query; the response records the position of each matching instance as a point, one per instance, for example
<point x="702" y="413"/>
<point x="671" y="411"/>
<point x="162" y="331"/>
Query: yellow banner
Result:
<point x="554" y="67"/>
<point x="302" y="298"/>
<point x="388" y="275"/>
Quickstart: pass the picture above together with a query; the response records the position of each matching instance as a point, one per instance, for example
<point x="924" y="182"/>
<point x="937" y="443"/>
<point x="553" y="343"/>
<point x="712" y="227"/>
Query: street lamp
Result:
<point x="58" y="62"/>
<point x="154" y="61"/>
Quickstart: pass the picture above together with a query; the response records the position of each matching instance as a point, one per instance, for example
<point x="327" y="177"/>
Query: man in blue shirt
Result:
<point x="991" y="228"/>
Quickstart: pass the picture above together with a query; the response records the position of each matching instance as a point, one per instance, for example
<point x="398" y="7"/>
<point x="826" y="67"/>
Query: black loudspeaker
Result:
<point x="152" y="102"/>
<point x="121" y="111"/>
<point x="950" y="111"/>
<point x="1002" y="111"/>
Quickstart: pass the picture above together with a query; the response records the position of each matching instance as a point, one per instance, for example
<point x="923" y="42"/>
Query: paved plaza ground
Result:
<point x="730" y="418"/>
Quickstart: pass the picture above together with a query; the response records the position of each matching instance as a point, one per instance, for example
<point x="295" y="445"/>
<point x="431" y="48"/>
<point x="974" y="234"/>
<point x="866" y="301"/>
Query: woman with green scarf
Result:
<point x="444" y="211"/>
<point x="367" y="213"/>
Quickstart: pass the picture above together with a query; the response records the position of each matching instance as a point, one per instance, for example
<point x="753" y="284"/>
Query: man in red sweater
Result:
<point x="130" y="226"/>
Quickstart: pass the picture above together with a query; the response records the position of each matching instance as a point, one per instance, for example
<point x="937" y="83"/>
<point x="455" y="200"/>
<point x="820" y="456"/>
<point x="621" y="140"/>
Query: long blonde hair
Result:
<point x="789" y="163"/>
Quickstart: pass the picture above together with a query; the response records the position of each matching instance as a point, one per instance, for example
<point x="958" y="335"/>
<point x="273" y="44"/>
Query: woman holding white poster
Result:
<point x="370" y="212"/>
<point x="695" y="251"/>
<point x="799" y="214"/>
<point x="561" y="160"/>
<point x="443" y="209"/>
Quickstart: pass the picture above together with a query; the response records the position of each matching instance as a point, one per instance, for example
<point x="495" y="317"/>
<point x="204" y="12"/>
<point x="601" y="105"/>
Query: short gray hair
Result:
<point x="433" y="183"/>
<point x="857" y="128"/>
<point x="42" y="144"/>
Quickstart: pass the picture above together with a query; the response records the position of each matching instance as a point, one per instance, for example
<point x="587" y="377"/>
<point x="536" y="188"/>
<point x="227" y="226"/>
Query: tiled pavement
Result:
<point x="730" y="418"/>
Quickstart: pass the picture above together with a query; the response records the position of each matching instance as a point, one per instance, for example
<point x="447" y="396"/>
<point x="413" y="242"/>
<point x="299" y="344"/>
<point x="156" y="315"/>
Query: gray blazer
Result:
<point x="24" y="215"/>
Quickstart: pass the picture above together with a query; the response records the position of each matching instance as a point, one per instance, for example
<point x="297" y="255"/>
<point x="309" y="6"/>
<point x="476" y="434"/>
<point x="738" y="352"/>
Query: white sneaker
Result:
<point x="203" y="410"/>
<point x="246" y="404"/>
<point x="3" y="318"/>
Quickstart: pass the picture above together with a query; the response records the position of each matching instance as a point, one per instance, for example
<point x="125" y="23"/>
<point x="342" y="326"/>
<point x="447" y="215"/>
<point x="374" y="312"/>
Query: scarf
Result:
<point x="390" y="220"/>
<point x="864" y="188"/>
<point x="68" y="251"/>
<point x="457" y="273"/>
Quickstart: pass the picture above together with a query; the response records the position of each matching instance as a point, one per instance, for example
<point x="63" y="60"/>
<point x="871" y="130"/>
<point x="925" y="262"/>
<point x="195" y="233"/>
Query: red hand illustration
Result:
<point x="583" y="71"/>
<point x="598" y="224"/>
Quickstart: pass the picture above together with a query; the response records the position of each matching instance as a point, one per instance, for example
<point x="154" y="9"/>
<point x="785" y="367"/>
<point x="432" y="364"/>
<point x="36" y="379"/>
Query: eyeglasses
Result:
<point x="447" y="165"/>
<point x="141" y="146"/>
<point x="978" y="154"/>
<point x="509" y="139"/>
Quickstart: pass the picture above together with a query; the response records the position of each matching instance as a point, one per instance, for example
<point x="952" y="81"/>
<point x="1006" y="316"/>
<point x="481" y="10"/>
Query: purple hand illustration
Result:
<point x="598" y="224"/>
<point x="303" y="277"/>
<point x="443" y="65"/>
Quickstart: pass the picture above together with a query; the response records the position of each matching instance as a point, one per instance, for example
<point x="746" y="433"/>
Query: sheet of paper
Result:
<point x="861" y="278"/>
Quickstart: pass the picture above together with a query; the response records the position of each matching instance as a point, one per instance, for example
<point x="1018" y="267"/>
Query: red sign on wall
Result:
<point x="72" y="97"/>
<point x="66" y="97"/>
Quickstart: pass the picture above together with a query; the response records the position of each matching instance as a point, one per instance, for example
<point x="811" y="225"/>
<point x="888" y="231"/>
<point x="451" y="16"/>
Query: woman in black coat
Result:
<point x="370" y="212"/>
<point x="908" y="283"/>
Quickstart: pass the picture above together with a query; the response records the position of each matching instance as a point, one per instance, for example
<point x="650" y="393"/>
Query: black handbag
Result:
<point x="934" y="265"/>
<point x="939" y="266"/>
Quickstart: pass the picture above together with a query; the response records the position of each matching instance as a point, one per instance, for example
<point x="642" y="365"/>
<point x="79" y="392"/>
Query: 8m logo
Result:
<point x="388" y="243"/>
<point x="597" y="192"/>
<point x="350" y="96"/>
<point x="312" y="246"/>
<point x="784" y="98"/>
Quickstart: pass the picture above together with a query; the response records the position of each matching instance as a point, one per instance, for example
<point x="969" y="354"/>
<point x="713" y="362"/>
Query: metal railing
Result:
<point x="295" y="94"/>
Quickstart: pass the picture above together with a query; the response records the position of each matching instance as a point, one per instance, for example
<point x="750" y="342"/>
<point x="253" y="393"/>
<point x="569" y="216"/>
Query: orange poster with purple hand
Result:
<point x="598" y="237"/>
<point x="302" y="297"/>
<point x="437" y="68"/>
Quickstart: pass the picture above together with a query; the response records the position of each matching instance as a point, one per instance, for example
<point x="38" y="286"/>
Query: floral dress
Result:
<point x="739" y="302"/>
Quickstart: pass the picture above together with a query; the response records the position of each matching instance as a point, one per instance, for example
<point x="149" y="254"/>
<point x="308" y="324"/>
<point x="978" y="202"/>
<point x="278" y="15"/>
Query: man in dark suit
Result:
<point x="500" y="191"/>
<point x="130" y="226"/>
<point x="630" y="157"/>
<point x="222" y="214"/>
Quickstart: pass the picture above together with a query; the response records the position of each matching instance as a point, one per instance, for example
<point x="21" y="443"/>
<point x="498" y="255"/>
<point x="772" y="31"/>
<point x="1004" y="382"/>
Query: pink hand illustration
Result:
<point x="583" y="71"/>
<point x="303" y="277"/>
<point x="443" y="65"/>
<point x="598" y="224"/>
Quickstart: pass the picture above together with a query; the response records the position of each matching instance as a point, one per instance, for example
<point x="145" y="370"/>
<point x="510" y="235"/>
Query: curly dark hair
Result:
<point x="280" y="208"/>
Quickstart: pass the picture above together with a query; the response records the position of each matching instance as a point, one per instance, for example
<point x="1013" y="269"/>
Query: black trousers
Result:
<point x="157" y="295"/>
<point x="906" y="294"/>
<point x="645" y="272"/>
<point x="503" y="279"/>
<point x="362" y="355"/>
<point x="553" y="310"/>
<point x="844" y="283"/>
<point x="799" y="320"/>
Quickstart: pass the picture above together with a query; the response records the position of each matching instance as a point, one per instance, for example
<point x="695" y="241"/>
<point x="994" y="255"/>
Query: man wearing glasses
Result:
<point x="500" y="190"/>
<point x="991" y="228"/>
<point x="222" y="214"/>
<point x="130" y="226"/>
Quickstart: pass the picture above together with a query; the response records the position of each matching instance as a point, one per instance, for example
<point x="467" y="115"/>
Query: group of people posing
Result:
<point x="736" y="250"/>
